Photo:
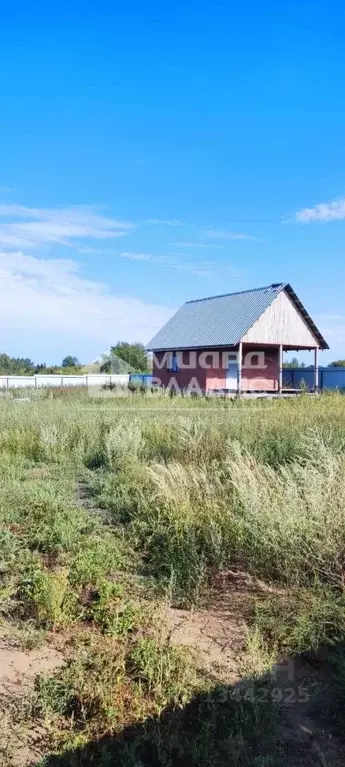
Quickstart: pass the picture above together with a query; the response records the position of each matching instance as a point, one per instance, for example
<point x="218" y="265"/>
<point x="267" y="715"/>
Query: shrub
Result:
<point x="48" y="593"/>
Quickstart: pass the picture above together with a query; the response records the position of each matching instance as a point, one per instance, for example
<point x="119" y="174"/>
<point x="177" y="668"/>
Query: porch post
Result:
<point x="239" y="370"/>
<point x="316" y="369"/>
<point x="280" y="363"/>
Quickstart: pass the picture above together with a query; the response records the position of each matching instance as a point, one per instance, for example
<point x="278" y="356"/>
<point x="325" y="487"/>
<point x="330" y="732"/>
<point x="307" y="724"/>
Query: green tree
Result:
<point x="294" y="364"/>
<point x="337" y="364"/>
<point x="16" y="365"/>
<point x="133" y="355"/>
<point x="70" y="362"/>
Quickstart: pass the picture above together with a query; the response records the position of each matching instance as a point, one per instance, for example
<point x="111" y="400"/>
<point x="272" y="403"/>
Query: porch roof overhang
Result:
<point x="252" y="344"/>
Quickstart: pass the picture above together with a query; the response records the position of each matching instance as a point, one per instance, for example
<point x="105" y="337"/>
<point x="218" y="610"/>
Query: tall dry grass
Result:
<point x="205" y="487"/>
<point x="186" y="488"/>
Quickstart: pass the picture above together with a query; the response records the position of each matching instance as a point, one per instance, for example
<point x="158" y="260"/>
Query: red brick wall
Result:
<point x="183" y="377"/>
<point x="214" y="376"/>
<point x="265" y="379"/>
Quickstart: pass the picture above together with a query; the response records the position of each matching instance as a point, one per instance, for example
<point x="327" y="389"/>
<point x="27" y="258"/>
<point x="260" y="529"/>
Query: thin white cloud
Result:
<point x="164" y="221"/>
<point x="23" y="227"/>
<point x="188" y="244"/>
<point x="201" y="269"/>
<point x="173" y="260"/>
<point x="48" y="299"/>
<point x="138" y="256"/>
<point x="222" y="234"/>
<point x="324" y="211"/>
<point x="166" y="260"/>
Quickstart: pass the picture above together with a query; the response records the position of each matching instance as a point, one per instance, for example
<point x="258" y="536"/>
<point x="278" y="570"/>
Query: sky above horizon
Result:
<point x="153" y="153"/>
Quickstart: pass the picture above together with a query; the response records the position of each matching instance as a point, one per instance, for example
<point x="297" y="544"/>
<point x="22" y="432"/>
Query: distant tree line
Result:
<point x="18" y="366"/>
<point x="337" y="364"/>
<point x="294" y="363"/>
<point x="124" y="357"/>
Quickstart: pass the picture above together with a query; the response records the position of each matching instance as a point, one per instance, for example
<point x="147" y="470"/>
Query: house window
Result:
<point x="173" y="361"/>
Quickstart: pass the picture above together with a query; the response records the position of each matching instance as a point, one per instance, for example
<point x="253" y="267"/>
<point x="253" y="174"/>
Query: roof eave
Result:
<point x="314" y="329"/>
<point x="191" y="348"/>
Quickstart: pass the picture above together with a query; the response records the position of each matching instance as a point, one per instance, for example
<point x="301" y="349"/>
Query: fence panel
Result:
<point x="329" y="378"/>
<point x="142" y="379"/>
<point x="94" y="379"/>
<point x="333" y="378"/>
<point x="15" y="382"/>
<point x="47" y="380"/>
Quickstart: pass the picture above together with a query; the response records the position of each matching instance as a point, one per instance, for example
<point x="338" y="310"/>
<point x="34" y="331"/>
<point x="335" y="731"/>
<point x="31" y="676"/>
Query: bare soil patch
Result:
<point x="21" y="735"/>
<point x="217" y="632"/>
<point x="18" y="668"/>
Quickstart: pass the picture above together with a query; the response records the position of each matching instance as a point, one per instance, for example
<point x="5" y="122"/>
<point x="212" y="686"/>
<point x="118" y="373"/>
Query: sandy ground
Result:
<point x="217" y="632"/>
<point x="20" y="747"/>
<point x="17" y="667"/>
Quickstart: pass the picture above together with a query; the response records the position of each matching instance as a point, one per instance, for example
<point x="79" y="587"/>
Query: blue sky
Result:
<point x="156" y="152"/>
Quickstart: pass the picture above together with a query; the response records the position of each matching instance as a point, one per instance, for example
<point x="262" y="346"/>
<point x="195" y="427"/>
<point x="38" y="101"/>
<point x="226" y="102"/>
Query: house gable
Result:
<point x="281" y="323"/>
<point x="272" y="314"/>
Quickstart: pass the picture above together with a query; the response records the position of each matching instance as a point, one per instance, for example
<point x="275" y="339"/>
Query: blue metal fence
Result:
<point x="329" y="378"/>
<point x="141" y="379"/>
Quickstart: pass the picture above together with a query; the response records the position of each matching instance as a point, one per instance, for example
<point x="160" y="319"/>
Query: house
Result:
<point x="234" y="342"/>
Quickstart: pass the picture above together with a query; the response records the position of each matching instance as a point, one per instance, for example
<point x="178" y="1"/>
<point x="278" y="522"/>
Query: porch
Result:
<point x="258" y="369"/>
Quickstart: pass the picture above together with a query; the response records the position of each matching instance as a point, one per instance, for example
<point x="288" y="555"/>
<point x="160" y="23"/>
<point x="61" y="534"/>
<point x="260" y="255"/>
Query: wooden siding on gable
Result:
<point x="281" y="323"/>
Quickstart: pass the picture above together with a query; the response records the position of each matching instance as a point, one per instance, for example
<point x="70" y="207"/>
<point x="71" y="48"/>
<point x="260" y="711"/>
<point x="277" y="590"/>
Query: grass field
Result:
<point x="116" y="512"/>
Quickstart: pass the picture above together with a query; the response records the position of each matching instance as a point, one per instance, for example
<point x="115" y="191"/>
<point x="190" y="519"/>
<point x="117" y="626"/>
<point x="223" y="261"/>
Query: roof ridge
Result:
<point x="237" y="292"/>
<point x="224" y="324"/>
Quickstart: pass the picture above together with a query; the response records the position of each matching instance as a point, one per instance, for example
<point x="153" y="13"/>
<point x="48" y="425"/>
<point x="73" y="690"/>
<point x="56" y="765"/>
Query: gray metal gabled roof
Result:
<point x="222" y="320"/>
